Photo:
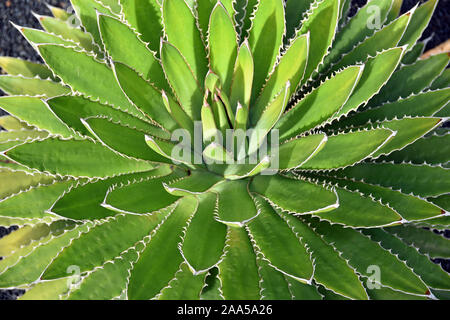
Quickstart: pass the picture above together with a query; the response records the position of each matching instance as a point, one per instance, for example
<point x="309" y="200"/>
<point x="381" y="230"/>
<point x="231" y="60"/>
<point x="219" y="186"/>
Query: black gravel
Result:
<point x="20" y="12"/>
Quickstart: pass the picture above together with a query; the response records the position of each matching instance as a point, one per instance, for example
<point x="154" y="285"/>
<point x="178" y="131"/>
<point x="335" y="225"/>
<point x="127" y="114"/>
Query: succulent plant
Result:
<point x="233" y="149"/>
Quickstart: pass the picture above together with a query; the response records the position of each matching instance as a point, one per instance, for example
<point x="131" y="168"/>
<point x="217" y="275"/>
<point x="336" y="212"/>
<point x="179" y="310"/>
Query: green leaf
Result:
<point x="416" y="77"/>
<point x="273" y="283"/>
<point x="112" y="5"/>
<point x="361" y="253"/>
<point x="161" y="258"/>
<point x="320" y="104"/>
<point x="9" y="139"/>
<point x="107" y="282"/>
<point x="414" y="53"/>
<point x="67" y="32"/>
<point x="423" y="104"/>
<point x="185" y="285"/>
<point x="134" y="198"/>
<point x="357" y="30"/>
<point x="283" y="193"/>
<point x="34" y="202"/>
<point x="421" y="180"/>
<point x="383" y="39"/>
<point x="235" y="205"/>
<point x="265" y="39"/>
<point x="111" y="237"/>
<point x="204" y="241"/>
<point x="238" y="271"/>
<point x="290" y="68"/>
<point x="428" y="242"/>
<point x="358" y="145"/>
<point x="35" y="112"/>
<point x="83" y="201"/>
<point x="86" y="11"/>
<point x="16" y="66"/>
<point x="408" y="130"/>
<point x="47" y="290"/>
<point x="268" y="119"/>
<point x="182" y="80"/>
<point x="14" y="181"/>
<point x="321" y="23"/>
<point x="349" y="211"/>
<point x="123" y="139"/>
<point x="144" y="16"/>
<point x="98" y="83"/>
<point x="294" y="153"/>
<point x="180" y="153"/>
<point x="376" y="73"/>
<point x="18" y="85"/>
<point x="279" y="244"/>
<point x="71" y="109"/>
<point x="59" y="13"/>
<point x="294" y="13"/>
<point x="241" y="86"/>
<point x="396" y="200"/>
<point x="431" y="150"/>
<point x="74" y="157"/>
<point x="330" y="269"/>
<point x="12" y="123"/>
<point x="441" y="82"/>
<point x="187" y="39"/>
<point x="432" y="274"/>
<point x="419" y="21"/>
<point x="114" y="34"/>
<point x="223" y="46"/>
<point x="35" y="36"/>
<point x="144" y="95"/>
<point x="196" y="183"/>
<point x="32" y="265"/>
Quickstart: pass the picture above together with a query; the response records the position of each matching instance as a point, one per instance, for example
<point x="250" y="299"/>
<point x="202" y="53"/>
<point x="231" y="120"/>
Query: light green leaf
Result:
<point x="204" y="241"/>
<point x="161" y="258"/>
<point x="295" y="153"/>
<point x="265" y="39"/>
<point x="320" y="104"/>
<point x="321" y="24"/>
<point x="83" y="202"/>
<point x="415" y="78"/>
<point x="74" y="157"/>
<point x="222" y="41"/>
<point x="290" y="68"/>
<point x="35" y="112"/>
<point x="238" y="271"/>
<point x="362" y="252"/>
<point x="16" y="66"/>
<point x="279" y="244"/>
<point x="185" y="285"/>
<point x="111" y="238"/>
<point x="330" y="269"/>
<point x="283" y="192"/>
<point x="241" y="87"/>
<point x="235" y="205"/>
<point x="428" y="242"/>
<point x="114" y="34"/>
<point x="123" y="139"/>
<point x="187" y="39"/>
<point x="85" y="74"/>
<point x="144" y="95"/>
<point x="18" y="85"/>
<point x="358" y="145"/>
<point x="421" y="180"/>
<point x="181" y="79"/>
<point x="144" y="16"/>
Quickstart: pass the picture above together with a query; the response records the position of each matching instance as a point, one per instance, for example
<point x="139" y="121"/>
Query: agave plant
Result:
<point x="331" y="191"/>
